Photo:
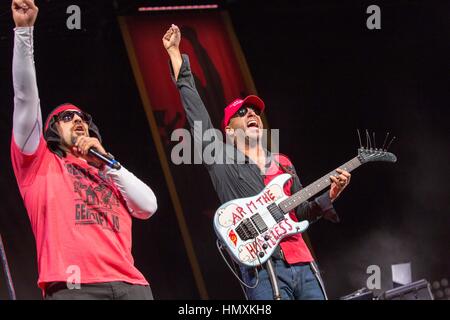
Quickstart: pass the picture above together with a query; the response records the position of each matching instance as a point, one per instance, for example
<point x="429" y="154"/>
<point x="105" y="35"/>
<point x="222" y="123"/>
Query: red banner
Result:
<point x="214" y="62"/>
<point x="221" y="76"/>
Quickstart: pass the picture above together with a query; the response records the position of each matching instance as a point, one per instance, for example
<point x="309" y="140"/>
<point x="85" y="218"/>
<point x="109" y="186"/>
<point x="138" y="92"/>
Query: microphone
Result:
<point x="106" y="159"/>
<point x="110" y="162"/>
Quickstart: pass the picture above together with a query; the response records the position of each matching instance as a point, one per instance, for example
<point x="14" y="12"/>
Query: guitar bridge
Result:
<point x="246" y="230"/>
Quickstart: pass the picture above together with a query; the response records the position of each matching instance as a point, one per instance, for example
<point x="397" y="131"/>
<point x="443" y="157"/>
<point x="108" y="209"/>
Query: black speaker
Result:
<point x="419" y="290"/>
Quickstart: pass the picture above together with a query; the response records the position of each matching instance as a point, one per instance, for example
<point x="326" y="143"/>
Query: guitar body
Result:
<point x="251" y="228"/>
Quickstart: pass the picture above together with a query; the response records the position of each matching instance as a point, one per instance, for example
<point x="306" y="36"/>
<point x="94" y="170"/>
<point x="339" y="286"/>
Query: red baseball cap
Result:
<point x="233" y="107"/>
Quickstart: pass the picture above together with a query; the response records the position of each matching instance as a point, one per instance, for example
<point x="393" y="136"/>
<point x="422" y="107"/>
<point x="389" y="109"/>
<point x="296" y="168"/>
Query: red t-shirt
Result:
<point x="79" y="219"/>
<point x="294" y="247"/>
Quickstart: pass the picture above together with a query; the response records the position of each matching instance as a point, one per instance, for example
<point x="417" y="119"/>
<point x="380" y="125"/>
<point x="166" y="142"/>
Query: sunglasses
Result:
<point x="67" y="116"/>
<point x="242" y="112"/>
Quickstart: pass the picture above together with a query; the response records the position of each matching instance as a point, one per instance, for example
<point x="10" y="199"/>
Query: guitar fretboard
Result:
<point x="315" y="187"/>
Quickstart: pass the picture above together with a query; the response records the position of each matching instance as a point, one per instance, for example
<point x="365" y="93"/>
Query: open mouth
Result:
<point x="79" y="129"/>
<point x="252" y="123"/>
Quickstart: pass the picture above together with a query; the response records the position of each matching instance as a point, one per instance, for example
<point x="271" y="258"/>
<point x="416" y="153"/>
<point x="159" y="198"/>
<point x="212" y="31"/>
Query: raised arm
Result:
<point x="196" y="111"/>
<point x="171" y="41"/>
<point x="27" y="119"/>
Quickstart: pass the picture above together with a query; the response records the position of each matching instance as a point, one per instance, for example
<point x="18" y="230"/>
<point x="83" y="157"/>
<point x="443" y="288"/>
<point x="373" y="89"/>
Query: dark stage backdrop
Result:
<point x="322" y="74"/>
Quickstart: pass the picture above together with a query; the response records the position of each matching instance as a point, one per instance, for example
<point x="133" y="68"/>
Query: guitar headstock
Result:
<point x="371" y="153"/>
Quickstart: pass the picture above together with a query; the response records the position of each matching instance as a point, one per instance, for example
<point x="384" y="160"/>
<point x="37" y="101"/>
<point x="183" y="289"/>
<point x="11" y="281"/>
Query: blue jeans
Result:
<point x="296" y="282"/>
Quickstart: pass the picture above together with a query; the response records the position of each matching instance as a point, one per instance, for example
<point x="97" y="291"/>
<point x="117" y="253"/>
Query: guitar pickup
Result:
<point x="259" y="223"/>
<point x="276" y="212"/>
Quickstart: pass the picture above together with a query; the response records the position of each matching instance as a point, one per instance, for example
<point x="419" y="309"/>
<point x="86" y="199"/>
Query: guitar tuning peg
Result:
<point x="384" y="143"/>
<point x="359" y="137"/>
<point x="368" y="142"/>
<point x="389" y="145"/>
<point x="374" y="141"/>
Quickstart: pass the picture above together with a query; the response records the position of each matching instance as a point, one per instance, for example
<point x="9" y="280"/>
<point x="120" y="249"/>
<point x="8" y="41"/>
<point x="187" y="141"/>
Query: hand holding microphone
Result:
<point x="92" y="150"/>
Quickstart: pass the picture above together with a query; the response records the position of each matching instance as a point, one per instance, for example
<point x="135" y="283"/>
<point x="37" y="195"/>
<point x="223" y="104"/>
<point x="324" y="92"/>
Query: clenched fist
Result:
<point x="172" y="38"/>
<point x="24" y="12"/>
<point x="81" y="147"/>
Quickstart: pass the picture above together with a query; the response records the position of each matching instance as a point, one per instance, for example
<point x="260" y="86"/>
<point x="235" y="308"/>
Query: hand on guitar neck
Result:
<point x="339" y="183"/>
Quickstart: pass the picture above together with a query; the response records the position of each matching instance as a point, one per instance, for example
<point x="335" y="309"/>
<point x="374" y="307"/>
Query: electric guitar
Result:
<point x="251" y="228"/>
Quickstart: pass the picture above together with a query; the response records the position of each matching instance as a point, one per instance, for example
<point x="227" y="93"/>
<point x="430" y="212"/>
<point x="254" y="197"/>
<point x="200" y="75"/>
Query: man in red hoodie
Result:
<point x="80" y="209"/>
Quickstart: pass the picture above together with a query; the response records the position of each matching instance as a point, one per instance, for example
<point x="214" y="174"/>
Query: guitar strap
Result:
<point x="278" y="254"/>
<point x="284" y="168"/>
<point x="287" y="169"/>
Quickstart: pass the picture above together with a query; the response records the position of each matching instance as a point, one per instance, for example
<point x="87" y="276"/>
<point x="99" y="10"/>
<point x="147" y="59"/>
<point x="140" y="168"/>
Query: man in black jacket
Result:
<point x="234" y="179"/>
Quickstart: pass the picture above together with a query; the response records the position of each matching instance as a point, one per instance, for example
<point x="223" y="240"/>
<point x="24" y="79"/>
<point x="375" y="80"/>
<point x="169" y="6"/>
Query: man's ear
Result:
<point x="58" y="128"/>
<point x="229" y="131"/>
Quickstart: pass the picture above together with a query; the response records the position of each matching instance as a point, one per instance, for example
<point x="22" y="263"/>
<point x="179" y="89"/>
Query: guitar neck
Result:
<point x="296" y="199"/>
